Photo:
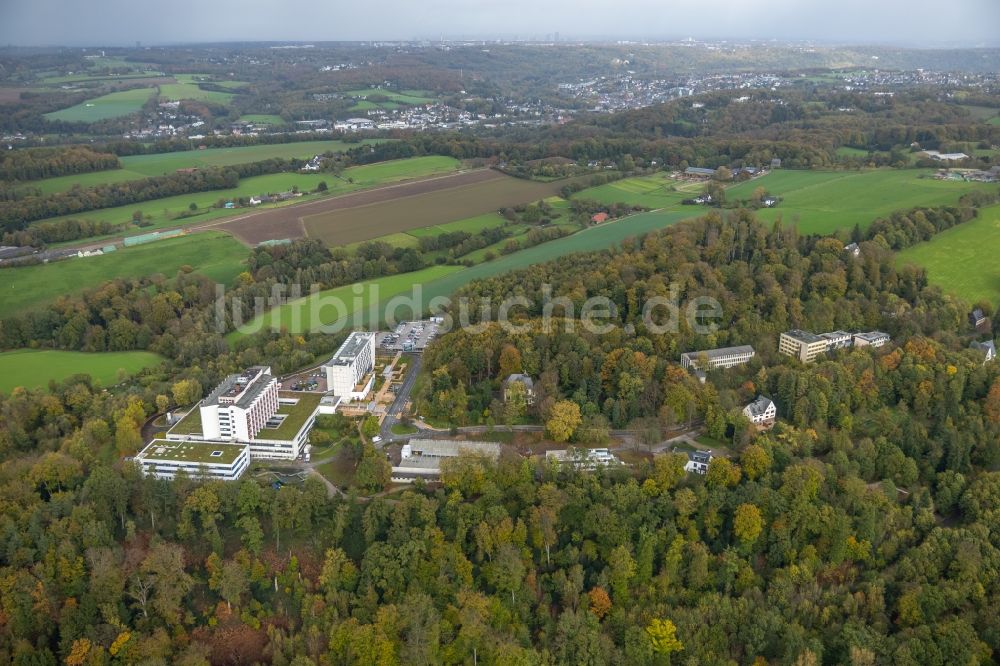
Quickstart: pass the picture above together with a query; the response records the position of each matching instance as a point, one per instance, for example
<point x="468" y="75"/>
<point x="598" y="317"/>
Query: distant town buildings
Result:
<point x="349" y="374"/>
<point x="726" y="357"/>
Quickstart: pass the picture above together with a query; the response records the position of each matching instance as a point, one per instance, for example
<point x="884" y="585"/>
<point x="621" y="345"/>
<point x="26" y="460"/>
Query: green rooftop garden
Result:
<point x="190" y="424"/>
<point x="196" y="452"/>
<point x="297" y="415"/>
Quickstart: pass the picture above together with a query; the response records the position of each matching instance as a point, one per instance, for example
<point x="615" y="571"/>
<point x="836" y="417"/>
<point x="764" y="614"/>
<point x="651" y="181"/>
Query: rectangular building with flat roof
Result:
<point x="803" y="345"/>
<point x="347" y="373"/>
<point x="726" y="357"/>
<point x="240" y="406"/>
<point x="199" y="460"/>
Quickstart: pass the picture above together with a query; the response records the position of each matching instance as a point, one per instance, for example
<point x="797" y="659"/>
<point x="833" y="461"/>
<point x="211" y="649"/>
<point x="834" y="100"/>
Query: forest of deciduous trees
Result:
<point x="861" y="530"/>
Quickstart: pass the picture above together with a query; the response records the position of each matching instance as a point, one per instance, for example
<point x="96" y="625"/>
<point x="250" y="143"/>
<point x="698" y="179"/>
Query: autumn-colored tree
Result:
<point x="722" y="473"/>
<point x="564" y="420"/>
<point x="600" y="602"/>
<point x="510" y="361"/>
<point x="747" y="523"/>
<point x="755" y="461"/>
<point x="663" y="636"/>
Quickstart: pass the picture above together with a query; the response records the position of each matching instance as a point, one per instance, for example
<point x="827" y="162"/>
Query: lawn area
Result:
<point x="401" y="429"/>
<point x="296" y="414"/>
<point x="213" y="254"/>
<point x="821" y="202"/>
<point x="472" y="225"/>
<point x="394" y="170"/>
<point x="179" y="91"/>
<point x="262" y="119"/>
<point x="653" y="192"/>
<point x="66" y="183"/>
<point x="963" y="259"/>
<point x="33" y="368"/>
<point x="112" y="105"/>
<point x="335" y="305"/>
<point x="412" y="97"/>
<point x="340" y="470"/>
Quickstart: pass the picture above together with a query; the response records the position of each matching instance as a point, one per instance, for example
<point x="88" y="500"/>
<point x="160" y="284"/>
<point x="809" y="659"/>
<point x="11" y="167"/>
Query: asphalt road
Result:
<point x="396" y="409"/>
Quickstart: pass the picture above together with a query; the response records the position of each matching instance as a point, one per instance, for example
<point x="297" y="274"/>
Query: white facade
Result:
<point x="871" y="339"/>
<point x="199" y="460"/>
<point x="583" y="458"/>
<point x="240" y="406"/>
<point x="698" y="462"/>
<point x="761" y="411"/>
<point x="726" y="357"/>
<point x="347" y="372"/>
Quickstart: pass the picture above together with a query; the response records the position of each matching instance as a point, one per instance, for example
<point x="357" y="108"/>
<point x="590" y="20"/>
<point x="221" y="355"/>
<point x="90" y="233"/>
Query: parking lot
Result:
<point x="313" y="380"/>
<point x="408" y="336"/>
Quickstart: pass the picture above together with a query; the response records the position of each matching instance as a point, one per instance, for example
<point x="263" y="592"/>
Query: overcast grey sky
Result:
<point x="122" y="22"/>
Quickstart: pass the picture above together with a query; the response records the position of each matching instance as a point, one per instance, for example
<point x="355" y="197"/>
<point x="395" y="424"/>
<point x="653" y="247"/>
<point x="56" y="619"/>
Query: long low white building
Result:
<point x="725" y="357"/>
<point x="422" y="458"/>
<point x="199" y="460"/>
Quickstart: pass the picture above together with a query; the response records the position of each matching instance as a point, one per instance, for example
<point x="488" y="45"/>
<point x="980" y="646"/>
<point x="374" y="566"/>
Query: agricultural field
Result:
<point x="112" y="105"/>
<point x="425" y="209"/>
<point x="411" y="97"/>
<point x="33" y="368"/>
<point x="822" y="202"/>
<point x="438" y="285"/>
<point x="653" y="192"/>
<point x="163" y="213"/>
<point x="471" y="225"/>
<point x="963" y="260"/>
<point x="216" y="255"/>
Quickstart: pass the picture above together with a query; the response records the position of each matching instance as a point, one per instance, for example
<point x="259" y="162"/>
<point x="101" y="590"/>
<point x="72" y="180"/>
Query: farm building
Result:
<point x="600" y="217"/>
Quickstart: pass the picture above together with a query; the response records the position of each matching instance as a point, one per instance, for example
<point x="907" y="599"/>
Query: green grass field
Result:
<point x="821" y="202"/>
<point x="334" y="305"/>
<point x="412" y="97"/>
<point x="653" y="192"/>
<point x="963" y="259"/>
<point x="262" y="119"/>
<point x="443" y="281"/>
<point x="179" y="91"/>
<point x="33" y="368"/>
<point x="106" y="106"/>
<point x="137" y="167"/>
<point x="471" y="225"/>
<point x="213" y="254"/>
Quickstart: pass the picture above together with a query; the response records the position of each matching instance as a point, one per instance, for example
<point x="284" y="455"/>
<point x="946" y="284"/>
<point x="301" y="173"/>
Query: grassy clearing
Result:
<point x="213" y="254"/>
<point x="179" y="91"/>
<point x="654" y="192"/>
<point x="66" y="183"/>
<point x="471" y="225"/>
<point x="262" y="119"/>
<point x="334" y="305"/>
<point x="821" y="202"/>
<point x="33" y="368"/>
<point x="112" y="105"/>
<point x="162" y="211"/>
<point x="963" y="259"/>
<point x="412" y="97"/>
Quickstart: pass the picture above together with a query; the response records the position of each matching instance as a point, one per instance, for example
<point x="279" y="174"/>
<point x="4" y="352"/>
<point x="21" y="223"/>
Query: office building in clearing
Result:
<point x="350" y="373"/>
<point x="726" y="357"/>
<point x="245" y="412"/>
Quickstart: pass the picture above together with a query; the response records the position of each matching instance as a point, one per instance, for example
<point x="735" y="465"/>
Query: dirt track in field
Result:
<point x="281" y="223"/>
